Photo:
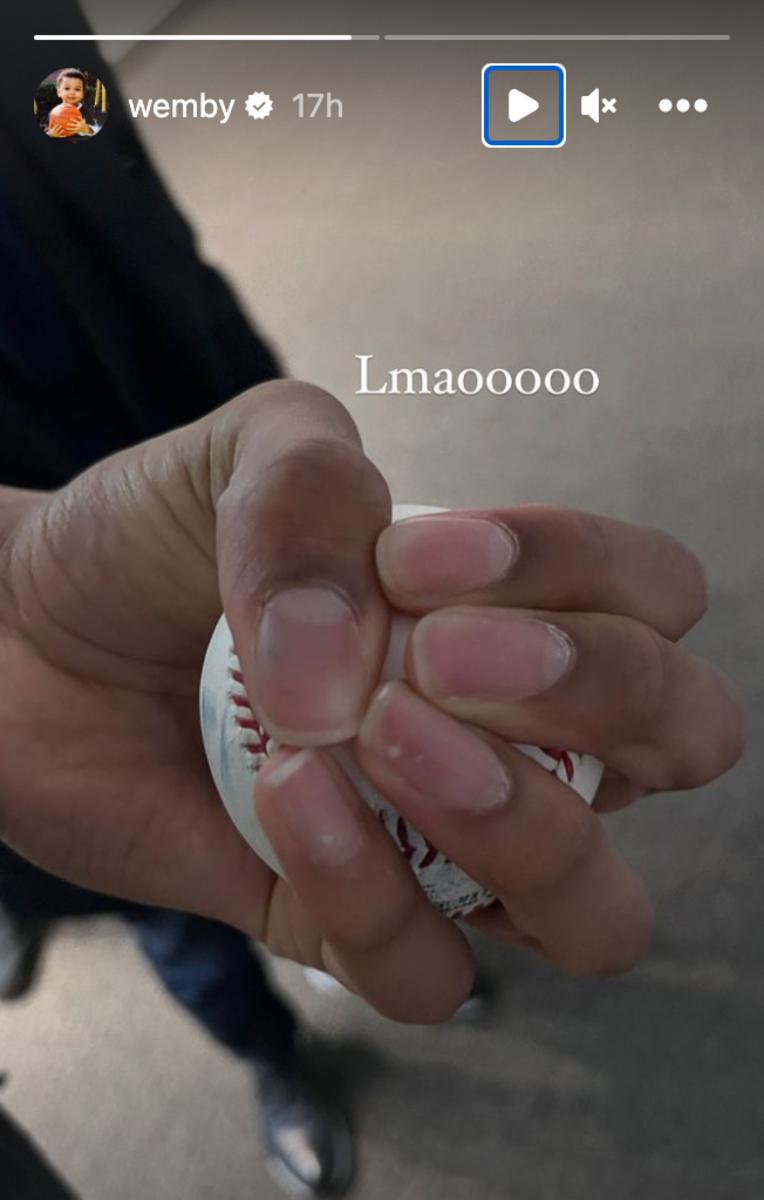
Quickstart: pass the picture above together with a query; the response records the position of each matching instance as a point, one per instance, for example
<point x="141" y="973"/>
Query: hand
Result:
<point x="110" y="590"/>
<point x="80" y="127"/>
<point x="545" y="626"/>
<point x="75" y="126"/>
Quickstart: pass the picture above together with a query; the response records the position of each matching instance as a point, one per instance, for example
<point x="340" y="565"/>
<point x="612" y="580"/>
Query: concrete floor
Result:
<point x="635" y="250"/>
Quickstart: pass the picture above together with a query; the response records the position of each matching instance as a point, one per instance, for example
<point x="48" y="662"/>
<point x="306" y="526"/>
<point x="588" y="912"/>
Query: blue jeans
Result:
<point x="209" y="968"/>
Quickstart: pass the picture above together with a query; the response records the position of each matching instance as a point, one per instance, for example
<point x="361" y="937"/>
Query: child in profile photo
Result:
<point x="67" y="119"/>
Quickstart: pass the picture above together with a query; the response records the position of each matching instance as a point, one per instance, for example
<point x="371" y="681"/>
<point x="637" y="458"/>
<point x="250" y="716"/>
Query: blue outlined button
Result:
<point x="524" y="105"/>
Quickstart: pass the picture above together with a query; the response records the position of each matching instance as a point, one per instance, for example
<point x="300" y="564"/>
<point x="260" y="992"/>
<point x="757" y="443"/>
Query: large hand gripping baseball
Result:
<point x="236" y="745"/>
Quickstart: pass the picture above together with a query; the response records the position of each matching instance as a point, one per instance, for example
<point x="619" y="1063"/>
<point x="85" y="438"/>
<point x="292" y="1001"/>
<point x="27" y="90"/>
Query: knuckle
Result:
<point x="598" y="539"/>
<point x="406" y="945"/>
<point x="324" y="475"/>
<point x="307" y="462"/>
<point x="594" y="538"/>
<point x="644" y="681"/>
<point x="316" y="505"/>
<point x="383" y="923"/>
<point x="723" y="744"/>
<point x="619" y="953"/>
<point x="686" y="734"/>
<point x="546" y="866"/>
<point x="624" y="952"/>
<point x="692" y="590"/>
<point x="389" y="924"/>
<point x="291" y="401"/>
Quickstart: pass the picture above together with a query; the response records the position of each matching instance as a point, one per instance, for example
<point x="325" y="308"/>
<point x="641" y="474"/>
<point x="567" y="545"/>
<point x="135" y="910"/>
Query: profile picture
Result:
<point x="71" y="105"/>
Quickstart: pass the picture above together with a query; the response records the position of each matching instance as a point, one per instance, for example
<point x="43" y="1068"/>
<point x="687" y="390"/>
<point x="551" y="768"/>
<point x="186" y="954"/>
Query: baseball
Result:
<point x="236" y="744"/>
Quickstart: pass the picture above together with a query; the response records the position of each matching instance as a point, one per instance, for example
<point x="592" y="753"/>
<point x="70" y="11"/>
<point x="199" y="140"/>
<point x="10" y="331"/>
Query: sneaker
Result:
<point x="308" y="1139"/>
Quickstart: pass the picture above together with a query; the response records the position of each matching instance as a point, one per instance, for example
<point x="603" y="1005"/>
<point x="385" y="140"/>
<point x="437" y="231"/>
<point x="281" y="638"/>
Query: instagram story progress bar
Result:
<point x="379" y="37"/>
<point x="208" y="37"/>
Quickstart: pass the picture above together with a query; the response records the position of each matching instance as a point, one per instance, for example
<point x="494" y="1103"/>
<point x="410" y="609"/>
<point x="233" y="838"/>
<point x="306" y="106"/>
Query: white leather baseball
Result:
<point x="236" y="745"/>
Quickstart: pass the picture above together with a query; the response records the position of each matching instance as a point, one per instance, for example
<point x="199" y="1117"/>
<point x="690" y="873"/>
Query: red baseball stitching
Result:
<point x="562" y="759"/>
<point x="254" y="738"/>
<point x="256" y="741"/>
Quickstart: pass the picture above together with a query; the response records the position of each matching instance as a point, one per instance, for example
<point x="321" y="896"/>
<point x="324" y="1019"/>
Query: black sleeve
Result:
<point x="164" y="337"/>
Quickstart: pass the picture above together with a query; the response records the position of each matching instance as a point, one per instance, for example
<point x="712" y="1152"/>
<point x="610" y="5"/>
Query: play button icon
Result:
<point x="521" y="105"/>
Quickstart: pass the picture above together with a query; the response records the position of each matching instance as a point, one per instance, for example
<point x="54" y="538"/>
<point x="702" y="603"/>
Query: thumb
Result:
<point x="297" y="523"/>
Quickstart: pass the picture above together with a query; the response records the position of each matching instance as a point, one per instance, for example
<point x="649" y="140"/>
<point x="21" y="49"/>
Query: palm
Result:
<point x="116" y="788"/>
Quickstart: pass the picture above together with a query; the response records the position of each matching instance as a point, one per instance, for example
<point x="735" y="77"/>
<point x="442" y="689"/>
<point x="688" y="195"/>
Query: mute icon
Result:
<point x="591" y="106"/>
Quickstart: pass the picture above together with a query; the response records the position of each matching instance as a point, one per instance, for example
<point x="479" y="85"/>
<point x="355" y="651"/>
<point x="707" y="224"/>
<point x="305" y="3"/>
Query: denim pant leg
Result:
<point x="217" y="975"/>
<point x="209" y="968"/>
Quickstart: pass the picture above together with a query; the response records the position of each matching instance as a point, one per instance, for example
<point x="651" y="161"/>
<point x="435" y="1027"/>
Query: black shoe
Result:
<point x="308" y="1138"/>
<point x="21" y="944"/>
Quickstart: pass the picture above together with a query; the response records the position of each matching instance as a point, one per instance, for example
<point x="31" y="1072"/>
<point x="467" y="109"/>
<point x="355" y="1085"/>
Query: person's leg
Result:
<point x="216" y="974"/>
<point x="209" y="968"/>
<point x="30" y="900"/>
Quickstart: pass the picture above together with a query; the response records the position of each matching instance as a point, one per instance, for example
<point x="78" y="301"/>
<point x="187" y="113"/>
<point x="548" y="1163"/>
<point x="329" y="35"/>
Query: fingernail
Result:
<point x="488" y="656"/>
<point x="432" y="753"/>
<point x="445" y="555"/>
<point x="309" y="671"/>
<point x="316" y="811"/>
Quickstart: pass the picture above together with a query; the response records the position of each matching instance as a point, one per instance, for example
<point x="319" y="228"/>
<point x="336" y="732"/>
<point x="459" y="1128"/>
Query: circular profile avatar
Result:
<point x="71" y="105"/>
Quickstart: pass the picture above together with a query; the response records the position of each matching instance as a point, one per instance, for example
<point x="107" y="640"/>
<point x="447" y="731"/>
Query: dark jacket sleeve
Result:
<point x="164" y="336"/>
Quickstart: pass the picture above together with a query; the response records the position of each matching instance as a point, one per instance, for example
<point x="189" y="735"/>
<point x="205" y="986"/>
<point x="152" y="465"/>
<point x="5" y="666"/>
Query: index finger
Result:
<point x="538" y="556"/>
<point x="367" y="919"/>
<point x="512" y="827"/>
